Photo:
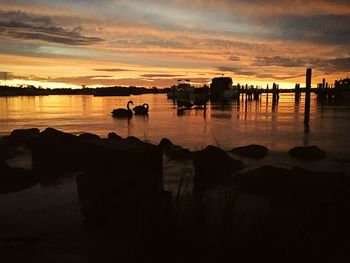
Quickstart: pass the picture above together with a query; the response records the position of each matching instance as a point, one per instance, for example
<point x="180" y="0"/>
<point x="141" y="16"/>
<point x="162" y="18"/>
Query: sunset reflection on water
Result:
<point x="278" y="126"/>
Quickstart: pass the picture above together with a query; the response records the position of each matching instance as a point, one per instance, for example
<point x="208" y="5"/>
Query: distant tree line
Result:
<point x="100" y="91"/>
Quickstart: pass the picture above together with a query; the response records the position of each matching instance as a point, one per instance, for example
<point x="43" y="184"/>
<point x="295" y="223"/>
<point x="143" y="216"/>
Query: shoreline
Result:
<point x="331" y="162"/>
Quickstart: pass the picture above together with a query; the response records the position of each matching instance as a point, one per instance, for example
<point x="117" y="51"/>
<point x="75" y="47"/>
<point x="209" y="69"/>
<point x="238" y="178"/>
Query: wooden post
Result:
<point x="297" y="92"/>
<point x="274" y="92"/>
<point x="307" y="95"/>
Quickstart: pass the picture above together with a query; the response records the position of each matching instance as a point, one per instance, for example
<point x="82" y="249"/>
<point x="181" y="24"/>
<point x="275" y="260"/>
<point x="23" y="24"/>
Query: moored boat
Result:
<point x="221" y="88"/>
<point x="342" y="89"/>
<point x="183" y="90"/>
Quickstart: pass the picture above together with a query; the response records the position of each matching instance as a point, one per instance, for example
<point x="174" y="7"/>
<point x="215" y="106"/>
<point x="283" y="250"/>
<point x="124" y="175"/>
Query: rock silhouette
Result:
<point x="89" y="136"/>
<point x="307" y="211"/>
<point x="118" y="178"/>
<point x="173" y="151"/>
<point x="113" y="136"/>
<point x="7" y="149"/>
<point x="14" y="179"/>
<point x="211" y="166"/>
<point x="307" y="153"/>
<point x="23" y="136"/>
<point x="125" y="183"/>
<point x="14" y="143"/>
<point x="24" y="133"/>
<point x="251" y="151"/>
<point x="288" y="187"/>
<point x="56" y="151"/>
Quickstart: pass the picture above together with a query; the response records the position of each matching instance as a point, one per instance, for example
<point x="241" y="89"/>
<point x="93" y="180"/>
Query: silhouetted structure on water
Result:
<point x="220" y="86"/>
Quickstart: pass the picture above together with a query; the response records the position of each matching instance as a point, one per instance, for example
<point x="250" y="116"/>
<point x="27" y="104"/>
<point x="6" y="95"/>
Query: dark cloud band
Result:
<point x="21" y="25"/>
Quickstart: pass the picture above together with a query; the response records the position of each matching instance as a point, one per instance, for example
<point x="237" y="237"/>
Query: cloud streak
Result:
<point x="20" y="25"/>
<point x="259" y="74"/>
<point x="111" y="69"/>
<point x="326" y="65"/>
<point x="160" y="75"/>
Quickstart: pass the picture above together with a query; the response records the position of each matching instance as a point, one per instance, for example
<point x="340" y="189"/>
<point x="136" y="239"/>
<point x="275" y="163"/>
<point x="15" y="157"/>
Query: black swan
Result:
<point x="141" y="109"/>
<point x="123" y="113"/>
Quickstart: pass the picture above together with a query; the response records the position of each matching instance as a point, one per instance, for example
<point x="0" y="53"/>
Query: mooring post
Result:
<point x="297" y="92"/>
<point x="307" y="95"/>
<point x="274" y="92"/>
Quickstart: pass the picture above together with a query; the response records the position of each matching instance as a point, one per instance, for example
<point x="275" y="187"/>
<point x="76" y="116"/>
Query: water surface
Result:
<point x="279" y="126"/>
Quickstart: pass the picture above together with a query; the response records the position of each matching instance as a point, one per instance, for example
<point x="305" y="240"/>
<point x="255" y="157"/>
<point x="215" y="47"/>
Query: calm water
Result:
<point x="278" y="127"/>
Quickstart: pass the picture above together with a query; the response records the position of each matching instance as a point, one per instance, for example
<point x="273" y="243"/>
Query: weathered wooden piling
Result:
<point x="256" y="94"/>
<point x="275" y="92"/>
<point x="297" y="92"/>
<point x="307" y="95"/>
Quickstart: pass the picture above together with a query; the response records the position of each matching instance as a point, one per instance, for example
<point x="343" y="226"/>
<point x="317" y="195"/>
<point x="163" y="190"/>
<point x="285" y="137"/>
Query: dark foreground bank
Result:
<point x="105" y="201"/>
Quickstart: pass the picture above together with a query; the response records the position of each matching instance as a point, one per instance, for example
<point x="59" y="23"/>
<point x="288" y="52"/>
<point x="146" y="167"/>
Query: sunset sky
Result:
<point x="61" y="43"/>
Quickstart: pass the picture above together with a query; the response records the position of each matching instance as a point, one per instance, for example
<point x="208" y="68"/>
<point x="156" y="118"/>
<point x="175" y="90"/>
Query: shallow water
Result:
<point x="278" y="126"/>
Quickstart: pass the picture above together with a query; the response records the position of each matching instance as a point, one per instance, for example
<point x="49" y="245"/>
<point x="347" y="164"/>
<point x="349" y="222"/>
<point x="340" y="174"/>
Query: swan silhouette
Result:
<point x="123" y="113"/>
<point x="141" y="109"/>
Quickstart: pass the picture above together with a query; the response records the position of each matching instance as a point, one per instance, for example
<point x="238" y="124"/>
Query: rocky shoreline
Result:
<point x="241" y="213"/>
<point x="54" y="154"/>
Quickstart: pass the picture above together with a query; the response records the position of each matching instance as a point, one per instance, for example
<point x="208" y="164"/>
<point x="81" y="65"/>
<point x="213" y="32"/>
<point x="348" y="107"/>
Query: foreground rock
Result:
<point x="113" y="136"/>
<point x="6" y="150"/>
<point x="251" y="151"/>
<point x="305" y="216"/>
<point x="307" y="153"/>
<point x="173" y="151"/>
<point x="56" y="151"/>
<point x="125" y="186"/>
<point x="63" y="152"/>
<point x="295" y="187"/>
<point x="15" y="179"/>
<point x="89" y="136"/>
<point x="25" y="133"/>
<point x="119" y="178"/>
<point x="123" y="166"/>
<point x="211" y="166"/>
<point x="23" y="136"/>
<point x="11" y="145"/>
